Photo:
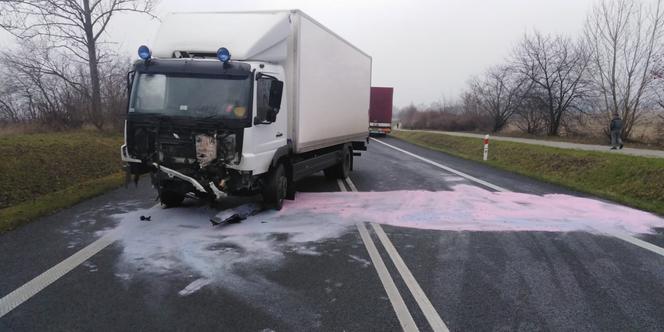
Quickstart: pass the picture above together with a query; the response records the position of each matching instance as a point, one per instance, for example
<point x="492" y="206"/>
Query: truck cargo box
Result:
<point x="328" y="79"/>
<point x="380" y="110"/>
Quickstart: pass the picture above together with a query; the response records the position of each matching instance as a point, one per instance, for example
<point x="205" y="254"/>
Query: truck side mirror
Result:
<point x="130" y="80"/>
<point x="130" y="84"/>
<point x="268" y="94"/>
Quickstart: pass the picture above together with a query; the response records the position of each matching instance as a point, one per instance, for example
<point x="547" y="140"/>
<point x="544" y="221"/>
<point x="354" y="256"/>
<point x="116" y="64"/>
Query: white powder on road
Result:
<point x="182" y="241"/>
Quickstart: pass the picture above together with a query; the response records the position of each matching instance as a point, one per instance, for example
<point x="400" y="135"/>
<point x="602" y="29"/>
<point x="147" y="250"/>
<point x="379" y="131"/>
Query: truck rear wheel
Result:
<point x="342" y="169"/>
<point x="276" y="188"/>
<point x="171" y="198"/>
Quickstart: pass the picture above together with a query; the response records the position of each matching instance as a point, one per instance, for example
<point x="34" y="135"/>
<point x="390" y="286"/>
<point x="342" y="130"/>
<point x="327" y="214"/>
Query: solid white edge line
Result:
<point x="449" y="169"/>
<point x="427" y="308"/>
<point x="34" y="286"/>
<point x="625" y="237"/>
<point x="399" y="306"/>
<point x="640" y="243"/>
<point x="400" y="309"/>
<point x="423" y="302"/>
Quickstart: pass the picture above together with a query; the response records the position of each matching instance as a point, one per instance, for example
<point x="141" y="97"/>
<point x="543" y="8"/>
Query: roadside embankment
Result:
<point x="42" y="173"/>
<point x="630" y="180"/>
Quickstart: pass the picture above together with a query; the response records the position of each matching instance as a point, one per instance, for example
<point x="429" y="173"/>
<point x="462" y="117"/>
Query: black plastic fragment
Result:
<point x="236" y="215"/>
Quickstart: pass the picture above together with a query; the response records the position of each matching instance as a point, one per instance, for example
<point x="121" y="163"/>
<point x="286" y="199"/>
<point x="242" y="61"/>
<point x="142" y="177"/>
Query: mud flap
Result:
<point x="127" y="176"/>
<point x="290" y="192"/>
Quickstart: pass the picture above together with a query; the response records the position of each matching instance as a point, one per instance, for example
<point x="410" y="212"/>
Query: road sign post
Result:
<point x="486" y="147"/>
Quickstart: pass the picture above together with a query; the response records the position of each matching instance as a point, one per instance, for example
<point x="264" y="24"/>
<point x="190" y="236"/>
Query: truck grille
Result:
<point x="174" y="148"/>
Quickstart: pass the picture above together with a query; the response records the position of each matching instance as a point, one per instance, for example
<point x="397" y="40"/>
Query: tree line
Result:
<point x="64" y="72"/>
<point x="614" y="66"/>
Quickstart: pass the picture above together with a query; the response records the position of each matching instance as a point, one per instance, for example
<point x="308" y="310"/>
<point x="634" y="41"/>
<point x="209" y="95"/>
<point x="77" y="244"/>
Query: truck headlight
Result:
<point x="228" y="148"/>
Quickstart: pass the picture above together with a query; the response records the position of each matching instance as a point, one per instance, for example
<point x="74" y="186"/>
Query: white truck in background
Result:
<point x="242" y="103"/>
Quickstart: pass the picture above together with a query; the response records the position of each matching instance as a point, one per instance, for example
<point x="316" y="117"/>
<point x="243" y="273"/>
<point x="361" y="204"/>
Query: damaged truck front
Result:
<point x="185" y="124"/>
<point x="295" y="102"/>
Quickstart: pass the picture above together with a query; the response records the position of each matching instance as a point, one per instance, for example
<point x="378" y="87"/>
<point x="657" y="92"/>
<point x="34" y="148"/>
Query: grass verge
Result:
<point x="42" y="173"/>
<point x="633" y="181"/>
<point x="19" y="214"/>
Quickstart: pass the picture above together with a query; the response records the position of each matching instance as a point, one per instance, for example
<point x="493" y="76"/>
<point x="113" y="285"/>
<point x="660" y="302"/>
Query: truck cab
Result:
<point x="208" y="126"/>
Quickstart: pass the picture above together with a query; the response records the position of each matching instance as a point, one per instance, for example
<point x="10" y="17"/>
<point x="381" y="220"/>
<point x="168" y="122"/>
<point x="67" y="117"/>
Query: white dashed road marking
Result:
<point x="34" y="286"/>
<point x="14" y="299"/>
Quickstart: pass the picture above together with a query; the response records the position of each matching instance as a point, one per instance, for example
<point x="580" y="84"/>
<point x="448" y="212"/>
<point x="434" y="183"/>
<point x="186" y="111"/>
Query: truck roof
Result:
<point x="249" y="35"/>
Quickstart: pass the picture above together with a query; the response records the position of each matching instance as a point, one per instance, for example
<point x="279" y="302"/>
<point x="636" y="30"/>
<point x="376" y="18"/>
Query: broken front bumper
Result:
<point x="173" y="173"/>
<point x="170" y="172"/>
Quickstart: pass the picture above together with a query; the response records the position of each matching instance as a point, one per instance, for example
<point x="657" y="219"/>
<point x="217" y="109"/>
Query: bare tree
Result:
<point x="556" y="67"/>
<point x="114" y="90"/>
<point x="531" y="115"/>
<point x="40" y="87"/>
<point x="10" y="110"/>
<point x="624" y="37"/>
<point x="499" y="94"/>
<point x="74" y="26"/>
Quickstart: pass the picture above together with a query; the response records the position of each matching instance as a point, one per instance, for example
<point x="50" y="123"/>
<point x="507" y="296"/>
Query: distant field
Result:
<point x="634" y="181"/>
<point x="45" y="172"/>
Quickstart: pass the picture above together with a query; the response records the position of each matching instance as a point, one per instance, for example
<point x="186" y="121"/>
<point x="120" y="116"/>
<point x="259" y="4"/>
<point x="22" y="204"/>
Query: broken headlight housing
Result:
<point x="227" y="148"/>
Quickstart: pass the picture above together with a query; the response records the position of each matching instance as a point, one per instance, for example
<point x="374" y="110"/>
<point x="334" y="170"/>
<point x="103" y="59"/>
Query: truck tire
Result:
<point x="342" y="169"/>
<point x="276" y="188"/>
<point x="171" y="198"/>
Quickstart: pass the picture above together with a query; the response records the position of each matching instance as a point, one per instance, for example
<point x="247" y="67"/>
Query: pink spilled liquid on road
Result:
<point x="469" y="208"/>
<point x="182" y="241"/>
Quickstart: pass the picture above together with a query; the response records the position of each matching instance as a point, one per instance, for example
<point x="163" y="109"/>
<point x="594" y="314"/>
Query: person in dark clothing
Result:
<point x="616" y="127"/>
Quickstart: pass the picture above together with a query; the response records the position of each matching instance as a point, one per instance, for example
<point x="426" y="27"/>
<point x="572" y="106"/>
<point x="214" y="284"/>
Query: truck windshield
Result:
<point x="200" y="97"/>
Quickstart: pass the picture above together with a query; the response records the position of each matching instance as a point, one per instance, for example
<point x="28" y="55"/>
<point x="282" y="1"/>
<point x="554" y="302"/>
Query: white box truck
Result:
<point x="242" y="103"/>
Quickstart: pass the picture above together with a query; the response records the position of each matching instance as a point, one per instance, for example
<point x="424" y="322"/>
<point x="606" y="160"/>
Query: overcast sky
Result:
<point x="426" y="50"/>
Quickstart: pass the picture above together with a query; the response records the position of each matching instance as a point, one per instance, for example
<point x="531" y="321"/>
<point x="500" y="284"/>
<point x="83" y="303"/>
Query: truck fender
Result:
<point x="282" y="155"/>
<point x="281" y="152"/>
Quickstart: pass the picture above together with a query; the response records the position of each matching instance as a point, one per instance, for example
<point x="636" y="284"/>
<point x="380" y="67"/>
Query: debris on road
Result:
<point x="144" y="218"/>
<point x="237" y="214"/>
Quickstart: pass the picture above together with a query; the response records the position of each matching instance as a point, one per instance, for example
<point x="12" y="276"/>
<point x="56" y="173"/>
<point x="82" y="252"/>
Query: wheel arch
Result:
<point x="283" y="156"/>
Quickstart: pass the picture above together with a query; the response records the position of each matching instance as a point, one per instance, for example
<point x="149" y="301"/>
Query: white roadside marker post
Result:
<point x="486" y="147"/>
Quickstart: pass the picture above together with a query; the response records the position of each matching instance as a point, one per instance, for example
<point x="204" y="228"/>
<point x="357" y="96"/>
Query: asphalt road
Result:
<point x="311" y="268"/>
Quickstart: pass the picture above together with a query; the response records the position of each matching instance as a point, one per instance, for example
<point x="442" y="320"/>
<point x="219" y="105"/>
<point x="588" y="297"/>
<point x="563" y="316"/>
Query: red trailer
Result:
<point x="380" y="111"/>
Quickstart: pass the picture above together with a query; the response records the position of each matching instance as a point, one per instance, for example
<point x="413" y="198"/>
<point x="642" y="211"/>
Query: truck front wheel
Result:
<point x="276" y="188"/>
